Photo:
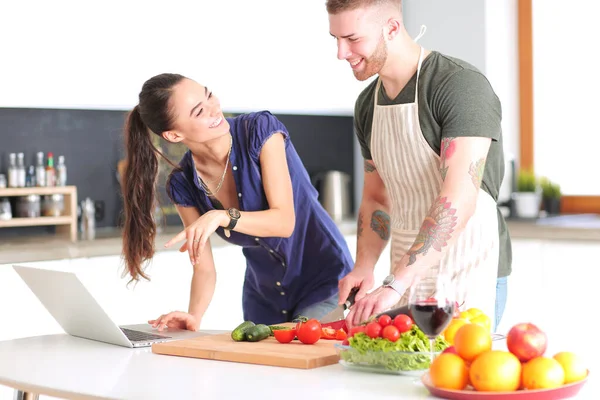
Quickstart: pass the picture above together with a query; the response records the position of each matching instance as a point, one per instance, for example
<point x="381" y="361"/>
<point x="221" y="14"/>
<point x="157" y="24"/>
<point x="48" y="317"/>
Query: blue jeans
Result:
<point x="501" y="293"/>
<point x="320" y="309"/>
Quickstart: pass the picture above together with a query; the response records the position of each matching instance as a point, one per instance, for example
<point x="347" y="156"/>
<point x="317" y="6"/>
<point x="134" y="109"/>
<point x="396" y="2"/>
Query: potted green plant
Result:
<point x="551" y="196"/>
<point x="528" y="197"/>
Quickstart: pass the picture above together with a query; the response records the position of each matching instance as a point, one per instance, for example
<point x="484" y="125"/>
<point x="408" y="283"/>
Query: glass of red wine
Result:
<point x="432" y="303"/>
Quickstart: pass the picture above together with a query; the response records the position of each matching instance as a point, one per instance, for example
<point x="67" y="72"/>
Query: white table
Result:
<point x="73" y="368"/>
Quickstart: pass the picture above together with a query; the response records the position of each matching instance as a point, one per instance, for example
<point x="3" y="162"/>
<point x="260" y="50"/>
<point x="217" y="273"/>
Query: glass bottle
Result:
<point x="61" y="172"/>
<point x="50" y="171"/>
<point x="40" y="171"/>
<point x="21" y="171"/>
<point x="13" y="179"/>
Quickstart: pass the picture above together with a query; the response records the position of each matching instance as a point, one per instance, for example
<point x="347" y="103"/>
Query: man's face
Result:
<point x="360" y="41"/>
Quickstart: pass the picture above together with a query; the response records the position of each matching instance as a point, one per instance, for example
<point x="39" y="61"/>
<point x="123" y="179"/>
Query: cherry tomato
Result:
<point x="374" y="329"/>
<point x="403" y="322"/>
<point x="390" y="333"/>
<point x="384" y="320"/>
<point x="284" y="335"/>
<point x="356" y="329"/>
<point x="309" y="332"/>
<point x="345" y="342"/>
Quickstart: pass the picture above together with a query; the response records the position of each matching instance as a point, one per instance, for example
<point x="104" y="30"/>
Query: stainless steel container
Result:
<point x="28" y="206"/>
<point x="334" y="193"/>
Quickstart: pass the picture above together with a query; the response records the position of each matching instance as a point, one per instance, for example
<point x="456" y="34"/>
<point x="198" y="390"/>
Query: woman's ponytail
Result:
<point x="138" y="188"/>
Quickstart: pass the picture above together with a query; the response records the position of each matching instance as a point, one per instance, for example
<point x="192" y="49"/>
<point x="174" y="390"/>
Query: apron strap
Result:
<point x="421" y="54"/>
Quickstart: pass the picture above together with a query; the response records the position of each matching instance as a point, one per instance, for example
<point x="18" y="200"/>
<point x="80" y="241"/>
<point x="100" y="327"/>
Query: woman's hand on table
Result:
<point x="176" y="320"/>
<point x="197" y="234"/>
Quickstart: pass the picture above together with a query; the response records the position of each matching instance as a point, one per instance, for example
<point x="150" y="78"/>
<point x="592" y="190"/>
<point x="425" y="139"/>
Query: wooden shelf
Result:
<point x="36" y="221"/>
<point x="66" y="224"/>
<point x="11" y="192"/>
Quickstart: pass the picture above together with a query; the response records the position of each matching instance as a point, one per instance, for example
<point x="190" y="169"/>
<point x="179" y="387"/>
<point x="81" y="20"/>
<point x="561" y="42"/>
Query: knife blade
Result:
<point x="338" y="313"/>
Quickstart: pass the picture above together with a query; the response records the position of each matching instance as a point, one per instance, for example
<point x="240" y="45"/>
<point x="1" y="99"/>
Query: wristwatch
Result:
<point x="234" y="215"/>
<point x="391" y="282"/>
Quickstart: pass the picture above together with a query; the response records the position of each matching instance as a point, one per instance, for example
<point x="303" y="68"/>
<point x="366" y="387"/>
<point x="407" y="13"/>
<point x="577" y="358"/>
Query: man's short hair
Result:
<point x="338" y="6"/>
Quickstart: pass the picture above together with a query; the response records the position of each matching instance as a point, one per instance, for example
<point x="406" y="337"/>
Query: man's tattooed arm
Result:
<point x="436" y="230"/>
<point x="359" y="228"/>
<point x="369" y="166"/>
<point x="380" y="224"/>
<point x="476" y="171"/>
<point x="446" y="152"/>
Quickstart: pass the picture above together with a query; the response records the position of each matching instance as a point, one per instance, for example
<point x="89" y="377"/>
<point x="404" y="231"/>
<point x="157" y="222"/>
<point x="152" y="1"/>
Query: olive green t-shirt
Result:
<point x="455" y="100"/>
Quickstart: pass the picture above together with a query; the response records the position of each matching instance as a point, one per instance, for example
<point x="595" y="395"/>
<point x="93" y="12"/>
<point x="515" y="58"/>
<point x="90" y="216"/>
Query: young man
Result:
<point x="429" y="129"/>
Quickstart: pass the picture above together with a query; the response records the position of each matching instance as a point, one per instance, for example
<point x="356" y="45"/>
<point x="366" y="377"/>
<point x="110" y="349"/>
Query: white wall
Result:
<point x="566" y="84"/>
<point x="263" y="54"/>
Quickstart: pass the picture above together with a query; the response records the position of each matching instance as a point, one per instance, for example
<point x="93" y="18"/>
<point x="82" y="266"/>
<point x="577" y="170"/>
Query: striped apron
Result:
<point x="410" y="171"/>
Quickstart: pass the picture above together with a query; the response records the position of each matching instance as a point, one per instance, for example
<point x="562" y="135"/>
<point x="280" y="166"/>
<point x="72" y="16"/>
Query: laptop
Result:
<point x="70" y="303"/>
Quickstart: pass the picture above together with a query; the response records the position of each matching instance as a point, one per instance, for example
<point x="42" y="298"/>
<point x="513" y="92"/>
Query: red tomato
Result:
<point x="403" y="322"/>
<point x="374" y="329"/>
<point x="384" y="320"/>
<point x="309" y="332"/>
<point x="345" y="342"/>
<point x="356" y="329"/>
<point x="328" y="333"/>
<point x="284" y="335"/>
<point x="390" y="333"/>
<point x="340" y="334"/>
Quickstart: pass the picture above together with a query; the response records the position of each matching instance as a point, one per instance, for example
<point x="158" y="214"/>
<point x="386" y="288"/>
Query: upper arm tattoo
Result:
<point x="369" y="167"/>
<point x="448" y="148"/>
<point x="476" y="171"/>
<point x="380" y="224"/>
<point x="436" y="230"/>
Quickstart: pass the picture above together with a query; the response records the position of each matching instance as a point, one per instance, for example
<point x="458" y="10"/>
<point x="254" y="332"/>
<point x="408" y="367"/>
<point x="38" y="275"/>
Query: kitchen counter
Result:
<point x="59" y="366"/>
<point x="108" y="240"/>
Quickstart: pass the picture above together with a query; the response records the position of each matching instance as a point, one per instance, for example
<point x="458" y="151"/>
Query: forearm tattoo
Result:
<point x="380" y="224"/>
<point x="476" y="172"/>
<point x="436" y="230"/>
<point x="447" y="150"/>
<point x="359" y="228"/>
<point x="369" y="167"/>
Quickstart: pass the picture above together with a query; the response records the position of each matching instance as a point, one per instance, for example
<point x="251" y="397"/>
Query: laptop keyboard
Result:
<point x="138" y="336"/>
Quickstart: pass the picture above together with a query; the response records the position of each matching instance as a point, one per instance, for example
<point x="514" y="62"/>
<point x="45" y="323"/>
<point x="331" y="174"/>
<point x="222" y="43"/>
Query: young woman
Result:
<point x="242" y="179"/>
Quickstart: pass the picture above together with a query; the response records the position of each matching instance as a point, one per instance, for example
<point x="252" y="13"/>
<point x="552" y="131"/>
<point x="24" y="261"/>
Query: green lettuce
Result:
<point x="393" y="356"/>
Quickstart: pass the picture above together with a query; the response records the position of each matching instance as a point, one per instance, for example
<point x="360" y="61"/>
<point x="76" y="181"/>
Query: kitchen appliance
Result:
<point x="334" y="193"/>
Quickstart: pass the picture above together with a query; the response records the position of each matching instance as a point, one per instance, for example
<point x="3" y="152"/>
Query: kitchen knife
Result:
<point x="338" y="313"/>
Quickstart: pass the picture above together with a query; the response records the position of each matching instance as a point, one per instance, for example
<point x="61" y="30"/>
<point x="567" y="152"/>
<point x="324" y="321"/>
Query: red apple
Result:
<point x="526" y="341"/>
<point x="450" y="349"/>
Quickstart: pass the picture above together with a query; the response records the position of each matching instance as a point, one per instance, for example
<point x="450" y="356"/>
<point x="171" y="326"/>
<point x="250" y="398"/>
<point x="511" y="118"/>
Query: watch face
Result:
<point x="388" y="279"/>
<point x="234" y="213"/>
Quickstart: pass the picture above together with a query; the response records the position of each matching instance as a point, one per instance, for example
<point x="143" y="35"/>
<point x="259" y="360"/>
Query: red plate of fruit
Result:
<point x="562" y="392"/>
<point x="471" y="370"/>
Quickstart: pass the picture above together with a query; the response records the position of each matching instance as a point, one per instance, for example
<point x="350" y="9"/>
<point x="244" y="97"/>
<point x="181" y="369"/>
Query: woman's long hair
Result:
<point x="153" y="115"/>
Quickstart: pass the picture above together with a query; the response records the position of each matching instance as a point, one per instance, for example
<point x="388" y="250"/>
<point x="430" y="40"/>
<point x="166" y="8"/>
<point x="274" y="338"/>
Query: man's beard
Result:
<point x="374" y="63"/>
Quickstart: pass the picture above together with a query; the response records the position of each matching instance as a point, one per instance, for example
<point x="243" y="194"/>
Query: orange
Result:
<point x="451" y="330"/>
<point x="449" y="371"/>
<point x="483" y="320"/>
<point x="471" y="340"/>
<point x="495" y="371"/>
<point x="543" y="373"/>
<point x="573" y="366"/>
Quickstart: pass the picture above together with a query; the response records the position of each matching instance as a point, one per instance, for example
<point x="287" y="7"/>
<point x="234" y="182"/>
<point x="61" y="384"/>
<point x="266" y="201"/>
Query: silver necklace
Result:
<point x="222" y="179"/>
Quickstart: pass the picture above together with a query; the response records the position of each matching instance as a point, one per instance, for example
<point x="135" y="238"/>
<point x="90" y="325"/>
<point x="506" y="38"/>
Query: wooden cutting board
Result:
<point x="266" y="352"/>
